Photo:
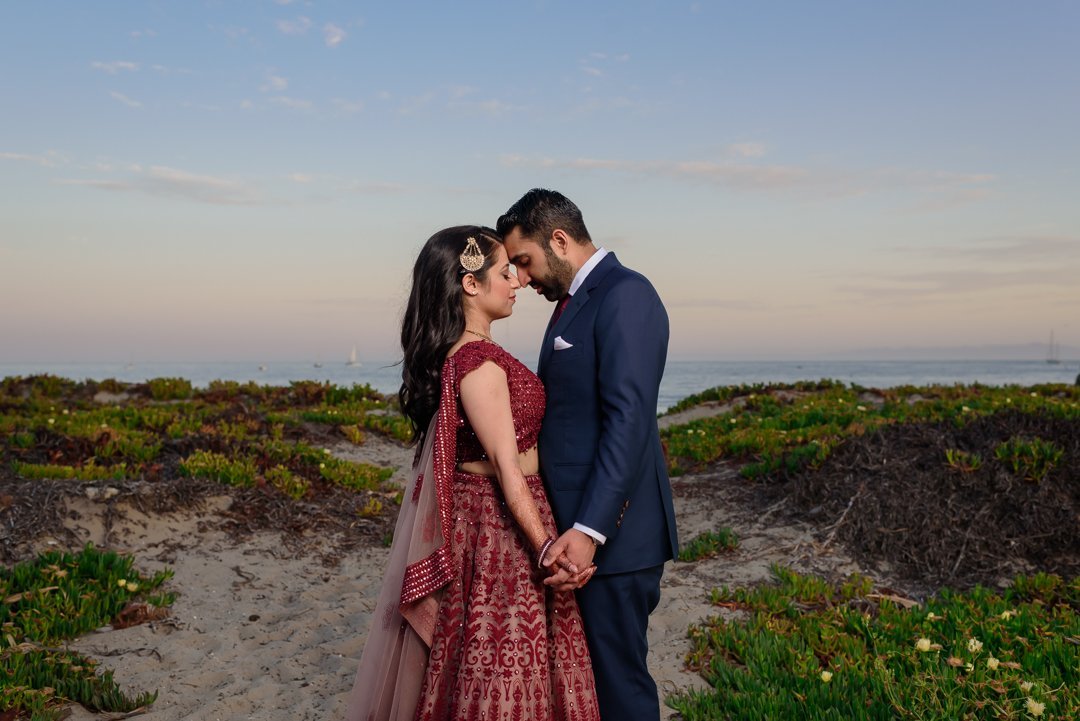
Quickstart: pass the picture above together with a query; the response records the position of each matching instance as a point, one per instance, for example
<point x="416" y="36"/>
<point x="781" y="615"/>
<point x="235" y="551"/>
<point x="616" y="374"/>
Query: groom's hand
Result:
<point x="579" y="548"/>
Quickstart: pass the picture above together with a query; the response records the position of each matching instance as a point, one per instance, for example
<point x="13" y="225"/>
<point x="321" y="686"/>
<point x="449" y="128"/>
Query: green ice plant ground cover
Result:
<point x="57" y="597"/>
<point x="801" y="648"/>
<point x="785" y="427"/>
<point x="236" y="434"/>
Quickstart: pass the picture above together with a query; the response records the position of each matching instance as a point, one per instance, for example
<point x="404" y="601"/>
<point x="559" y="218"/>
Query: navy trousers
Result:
<point x="615" y="611"/>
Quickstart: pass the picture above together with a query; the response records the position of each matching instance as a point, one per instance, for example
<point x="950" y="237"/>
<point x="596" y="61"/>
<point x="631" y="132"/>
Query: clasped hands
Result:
<point x="569" y="561"/>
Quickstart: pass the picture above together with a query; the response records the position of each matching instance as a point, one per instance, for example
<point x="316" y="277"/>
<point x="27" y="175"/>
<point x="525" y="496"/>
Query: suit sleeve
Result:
<point x="631" y="342"/>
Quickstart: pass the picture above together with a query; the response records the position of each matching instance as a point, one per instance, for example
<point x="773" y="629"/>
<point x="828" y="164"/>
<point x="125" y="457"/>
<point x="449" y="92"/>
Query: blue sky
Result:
<point x="252" y="180"/>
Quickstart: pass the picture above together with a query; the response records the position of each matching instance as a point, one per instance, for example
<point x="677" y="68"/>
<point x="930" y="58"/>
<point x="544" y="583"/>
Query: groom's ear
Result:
<point x="560" y="242"/>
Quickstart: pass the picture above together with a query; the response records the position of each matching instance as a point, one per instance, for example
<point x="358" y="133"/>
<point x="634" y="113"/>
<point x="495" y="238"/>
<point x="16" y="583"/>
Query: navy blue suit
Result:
<point x="603" y="467"/>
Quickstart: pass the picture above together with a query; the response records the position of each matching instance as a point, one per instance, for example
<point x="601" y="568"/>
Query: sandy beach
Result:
<point x="264" y="629"/>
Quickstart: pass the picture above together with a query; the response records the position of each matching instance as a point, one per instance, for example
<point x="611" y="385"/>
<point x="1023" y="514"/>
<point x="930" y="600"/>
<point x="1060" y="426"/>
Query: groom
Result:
<point x="601" y="362"/>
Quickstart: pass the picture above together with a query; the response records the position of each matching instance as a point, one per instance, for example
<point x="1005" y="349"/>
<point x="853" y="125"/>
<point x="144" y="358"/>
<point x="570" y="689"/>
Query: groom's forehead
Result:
<point x="518" y="245"/>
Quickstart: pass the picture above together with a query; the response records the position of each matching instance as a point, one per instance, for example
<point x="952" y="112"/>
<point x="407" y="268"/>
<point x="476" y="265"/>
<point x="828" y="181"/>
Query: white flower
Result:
<point x="861" y="408"/>
<point x="1026" y="686"/>
<point x="122" y="582"/>
<point x="826" y="676"/>
<point x="1034" y="707"/>
<point x="734" y="420"/>
<point x="932" y="617"/>
<point x="923" y="644"/>
<point x="992" y="663"/>
<point x="132" y="587"/>
<point x="1006" y="615"/>
<point x="974" y="645"/>
<point x="52" y="421"/>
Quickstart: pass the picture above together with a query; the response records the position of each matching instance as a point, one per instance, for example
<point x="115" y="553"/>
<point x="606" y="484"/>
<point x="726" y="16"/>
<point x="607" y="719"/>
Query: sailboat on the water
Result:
<point x="1053" y="353"/>
<point x="352" y="362"/>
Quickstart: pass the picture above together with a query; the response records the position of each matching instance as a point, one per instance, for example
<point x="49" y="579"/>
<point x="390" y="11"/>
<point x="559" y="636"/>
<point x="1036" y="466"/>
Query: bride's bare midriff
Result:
<point x="529" y="462"/>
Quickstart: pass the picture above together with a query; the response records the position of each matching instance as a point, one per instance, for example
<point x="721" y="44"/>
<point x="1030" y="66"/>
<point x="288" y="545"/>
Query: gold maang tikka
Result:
<point x="471" y="258"/>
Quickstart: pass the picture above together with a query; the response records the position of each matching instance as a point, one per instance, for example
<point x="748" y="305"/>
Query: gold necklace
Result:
<point x="481" y="335"/>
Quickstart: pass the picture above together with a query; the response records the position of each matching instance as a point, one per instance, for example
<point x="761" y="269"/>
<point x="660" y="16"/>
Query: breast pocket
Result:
<point x="561" y="356"/>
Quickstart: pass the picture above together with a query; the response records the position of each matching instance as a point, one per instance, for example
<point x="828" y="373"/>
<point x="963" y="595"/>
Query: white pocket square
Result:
<point x="560" y="344"/>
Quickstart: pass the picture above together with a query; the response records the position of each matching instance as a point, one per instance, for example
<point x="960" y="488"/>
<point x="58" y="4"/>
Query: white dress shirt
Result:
<point x="579" y="278"/>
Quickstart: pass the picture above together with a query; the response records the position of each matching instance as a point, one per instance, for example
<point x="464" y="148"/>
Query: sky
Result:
<point x="252" y="180"/>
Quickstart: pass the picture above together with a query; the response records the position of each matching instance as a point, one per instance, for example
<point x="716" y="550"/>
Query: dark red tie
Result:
<point x="559" y="309"/>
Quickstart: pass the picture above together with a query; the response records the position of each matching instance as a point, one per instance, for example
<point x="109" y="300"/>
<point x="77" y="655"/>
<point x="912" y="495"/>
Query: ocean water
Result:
<point x="681" y="378"/>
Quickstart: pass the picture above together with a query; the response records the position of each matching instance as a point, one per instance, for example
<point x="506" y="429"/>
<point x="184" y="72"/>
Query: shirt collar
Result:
<point x="584" y="271"/>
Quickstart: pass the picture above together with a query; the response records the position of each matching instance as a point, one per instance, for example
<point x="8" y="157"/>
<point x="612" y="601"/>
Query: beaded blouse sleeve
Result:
<point x="471" y="356"/>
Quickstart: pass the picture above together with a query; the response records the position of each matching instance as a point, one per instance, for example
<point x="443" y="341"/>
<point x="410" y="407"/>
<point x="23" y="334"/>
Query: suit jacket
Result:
<point x="600" y="452"/>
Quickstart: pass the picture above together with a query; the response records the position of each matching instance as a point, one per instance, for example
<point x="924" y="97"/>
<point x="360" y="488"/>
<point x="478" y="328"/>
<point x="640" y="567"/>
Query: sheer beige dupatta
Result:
<point x="394" y="661"/>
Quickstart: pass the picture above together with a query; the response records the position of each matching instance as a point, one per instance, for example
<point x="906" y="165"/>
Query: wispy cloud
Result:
<point x="333" y="35"/>
<point x="730" y="174"/>
<point x="112" y="68"/>
<point x="48" y="160"/>
<point x="941" y="189"/>
<point x="166" y="70"/>
<point x="169" y="182"/>
<point x="350" y="107"/>
<point x="742" y="170"/>
<point x="125" y="100"/>
<point x="491" y="107"/>
<point x="375" y="188"/>
<point x="302" y="178"/>
<point x="293" y="103"/>
<point x="416" y="103"/>
<point x="299" y="26"/>
<point x="936" y="284"/>
<point x="144" y="33"/>
<point x="737" y="304"/>
<point x="1010" y="250"/>
<point x="976" y="267"/>
<point x="594" y="63"/>
<point x="274" y="83"/>
<point x="750" y="149"/>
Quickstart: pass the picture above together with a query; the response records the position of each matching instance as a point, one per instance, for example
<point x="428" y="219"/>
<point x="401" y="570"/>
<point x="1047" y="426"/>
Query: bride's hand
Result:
<point x="580" y="579"/>
<point x="562" y="580"/>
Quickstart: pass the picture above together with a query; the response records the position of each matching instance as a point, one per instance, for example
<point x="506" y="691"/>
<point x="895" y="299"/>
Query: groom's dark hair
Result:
<point x="539" y="213"/>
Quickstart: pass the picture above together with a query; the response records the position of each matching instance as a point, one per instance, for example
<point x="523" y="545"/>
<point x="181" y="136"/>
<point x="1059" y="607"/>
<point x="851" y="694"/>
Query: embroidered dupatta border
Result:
<point x="429" y="574"/>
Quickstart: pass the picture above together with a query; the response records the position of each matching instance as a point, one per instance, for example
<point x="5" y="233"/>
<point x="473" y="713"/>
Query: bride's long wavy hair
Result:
<point x="435" y="317"/>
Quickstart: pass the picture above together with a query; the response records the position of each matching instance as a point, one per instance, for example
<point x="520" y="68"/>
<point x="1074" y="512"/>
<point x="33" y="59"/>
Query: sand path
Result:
<point x="261" y="633"/>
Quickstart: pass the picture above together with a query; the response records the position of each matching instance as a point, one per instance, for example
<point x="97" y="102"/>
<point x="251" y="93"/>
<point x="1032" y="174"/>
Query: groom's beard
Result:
<point x="556" y="284"/>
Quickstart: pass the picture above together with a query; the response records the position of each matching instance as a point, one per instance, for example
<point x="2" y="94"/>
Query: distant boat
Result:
<point x="262" y="367"/>
<point x="352" y="358"/>
<point x="1053" y="353"/>
<point x="318" y="364"/>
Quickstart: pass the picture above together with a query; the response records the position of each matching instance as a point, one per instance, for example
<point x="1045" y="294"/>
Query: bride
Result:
<point x="465" y="626"/>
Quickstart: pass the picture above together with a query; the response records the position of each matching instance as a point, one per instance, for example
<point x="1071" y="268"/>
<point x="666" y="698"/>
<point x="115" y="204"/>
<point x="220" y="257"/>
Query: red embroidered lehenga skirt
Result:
<point x="505" y="646"/>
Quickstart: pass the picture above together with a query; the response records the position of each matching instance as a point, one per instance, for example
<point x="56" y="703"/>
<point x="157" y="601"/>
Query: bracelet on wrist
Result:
<point x="544" y="548"/>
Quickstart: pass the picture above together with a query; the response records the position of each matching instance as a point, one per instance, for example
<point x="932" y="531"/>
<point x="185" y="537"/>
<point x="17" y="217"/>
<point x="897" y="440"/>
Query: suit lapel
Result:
<point x="577" y="301"/>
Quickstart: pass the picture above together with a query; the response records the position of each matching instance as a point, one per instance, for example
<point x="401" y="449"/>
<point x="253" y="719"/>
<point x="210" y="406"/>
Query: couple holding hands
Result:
<point x="487" y="611"/>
